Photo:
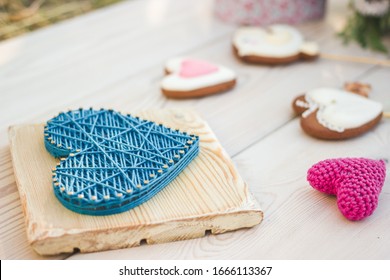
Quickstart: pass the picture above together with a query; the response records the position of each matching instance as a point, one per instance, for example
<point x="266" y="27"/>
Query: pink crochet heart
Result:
<point x="191" y="68"/>
<point x="357" y="183"/>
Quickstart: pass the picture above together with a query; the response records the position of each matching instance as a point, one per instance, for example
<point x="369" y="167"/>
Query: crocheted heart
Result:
<point x="357" y="183"/>
<point x="191" y="68"/>
<point x="115" y="162"/>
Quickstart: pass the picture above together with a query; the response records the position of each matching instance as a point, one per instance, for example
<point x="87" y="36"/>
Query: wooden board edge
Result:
<point x="175" y="230"/>
<point x="23" y="201"/>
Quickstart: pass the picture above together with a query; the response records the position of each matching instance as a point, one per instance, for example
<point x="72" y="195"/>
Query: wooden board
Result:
<point x="117" y="67"/>
<point x="209" y="195"/>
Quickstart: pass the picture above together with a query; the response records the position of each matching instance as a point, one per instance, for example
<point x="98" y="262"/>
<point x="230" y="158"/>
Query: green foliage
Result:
<point x="367" y="31"/>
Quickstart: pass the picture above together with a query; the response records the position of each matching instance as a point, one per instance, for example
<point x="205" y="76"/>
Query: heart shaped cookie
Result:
<point x="335" y="114"/>
<point x="189" y="78"/>
<point x="112" y="162"/>
<point x="357" y="183"/>
<point x="276" y="44"/>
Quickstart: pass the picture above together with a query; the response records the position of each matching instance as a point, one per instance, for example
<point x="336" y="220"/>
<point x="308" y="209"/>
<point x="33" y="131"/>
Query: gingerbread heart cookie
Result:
<point x="334" y="114"/>
<point x="112" y="162"/>
<point x="190" y="78"/>
<point x="357" y="183"/>
<point x="276" y="44"/>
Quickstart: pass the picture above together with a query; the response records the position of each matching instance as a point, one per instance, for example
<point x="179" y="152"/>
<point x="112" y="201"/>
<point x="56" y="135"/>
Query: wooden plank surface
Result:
<point x="299" y="222"/>
<point x="208" y="195"/>
<point x="114" y="58"/>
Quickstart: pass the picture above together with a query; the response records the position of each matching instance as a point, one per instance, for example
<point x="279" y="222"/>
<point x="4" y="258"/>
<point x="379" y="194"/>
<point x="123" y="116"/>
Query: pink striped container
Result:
<point x="263" y="12"/>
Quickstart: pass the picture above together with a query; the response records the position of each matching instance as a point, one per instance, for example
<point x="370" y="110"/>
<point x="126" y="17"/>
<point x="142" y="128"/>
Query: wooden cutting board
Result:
<point x="209" y="195"/>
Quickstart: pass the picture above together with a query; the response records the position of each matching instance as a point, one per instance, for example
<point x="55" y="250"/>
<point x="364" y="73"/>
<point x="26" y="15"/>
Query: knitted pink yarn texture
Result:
<point x="357" y="183"/>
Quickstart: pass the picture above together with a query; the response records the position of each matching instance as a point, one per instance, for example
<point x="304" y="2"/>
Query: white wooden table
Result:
<point x="113" y="58"/>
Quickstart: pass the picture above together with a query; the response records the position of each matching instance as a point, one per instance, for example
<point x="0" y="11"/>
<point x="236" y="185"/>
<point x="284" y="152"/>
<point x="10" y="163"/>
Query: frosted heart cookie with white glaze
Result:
<point x="334" y="114"/>
<point x="276" y="44"/>
<point x="189" y="78"/>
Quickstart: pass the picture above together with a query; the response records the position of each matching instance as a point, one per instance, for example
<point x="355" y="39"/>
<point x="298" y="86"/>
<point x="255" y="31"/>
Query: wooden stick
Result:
<point x="386" y="114"/>
<point x="357" y="59"/>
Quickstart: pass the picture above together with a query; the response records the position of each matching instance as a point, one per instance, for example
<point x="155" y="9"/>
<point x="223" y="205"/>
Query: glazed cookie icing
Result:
<point x="339" y="110"/>
<point x="190" y="74"/>
<point x="273" y="41"/>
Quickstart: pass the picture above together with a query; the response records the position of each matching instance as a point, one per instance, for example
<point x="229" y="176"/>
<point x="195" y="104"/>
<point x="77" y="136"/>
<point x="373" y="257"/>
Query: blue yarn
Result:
<point x="110" y="158"/>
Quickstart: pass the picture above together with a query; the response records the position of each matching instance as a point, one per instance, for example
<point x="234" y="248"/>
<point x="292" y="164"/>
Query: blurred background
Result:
<point x="21" y="16"/>
<point x="367" y="21"/>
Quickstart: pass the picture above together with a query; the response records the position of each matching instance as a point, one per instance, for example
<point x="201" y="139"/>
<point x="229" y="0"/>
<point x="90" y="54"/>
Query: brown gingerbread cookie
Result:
<point x="190" y="78"/>
<point x="276" y="44"/>
<point x="334" y="114"/>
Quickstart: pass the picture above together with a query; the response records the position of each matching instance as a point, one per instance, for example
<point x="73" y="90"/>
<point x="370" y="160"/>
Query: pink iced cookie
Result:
<point x="191" y="68"/>
<point x="357" y="183"/>
<point x="192" y="78"/>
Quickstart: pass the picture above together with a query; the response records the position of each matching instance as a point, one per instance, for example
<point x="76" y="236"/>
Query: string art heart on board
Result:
<point x="357" y="183"/>
<point x="190" y="78"/>
<point x="112" y="162"/>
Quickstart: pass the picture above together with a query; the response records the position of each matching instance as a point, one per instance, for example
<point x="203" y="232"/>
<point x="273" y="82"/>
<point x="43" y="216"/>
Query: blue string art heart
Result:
<point x="112" y="162"/>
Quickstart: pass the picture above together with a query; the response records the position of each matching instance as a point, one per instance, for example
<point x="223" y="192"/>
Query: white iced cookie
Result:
<point x="272" y="45"/>
<point x="330" y="113"/>
<point x="188" y="78"/>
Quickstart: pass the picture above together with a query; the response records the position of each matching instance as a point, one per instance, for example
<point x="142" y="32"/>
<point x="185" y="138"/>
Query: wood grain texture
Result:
<point x="299" y="222"/>
<point x="305" y="222"/>
<point x="14" y="244"/>
<point x="114" y="58"/>
<point x="75" y="59"/>
<point x="209" y="195"/>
